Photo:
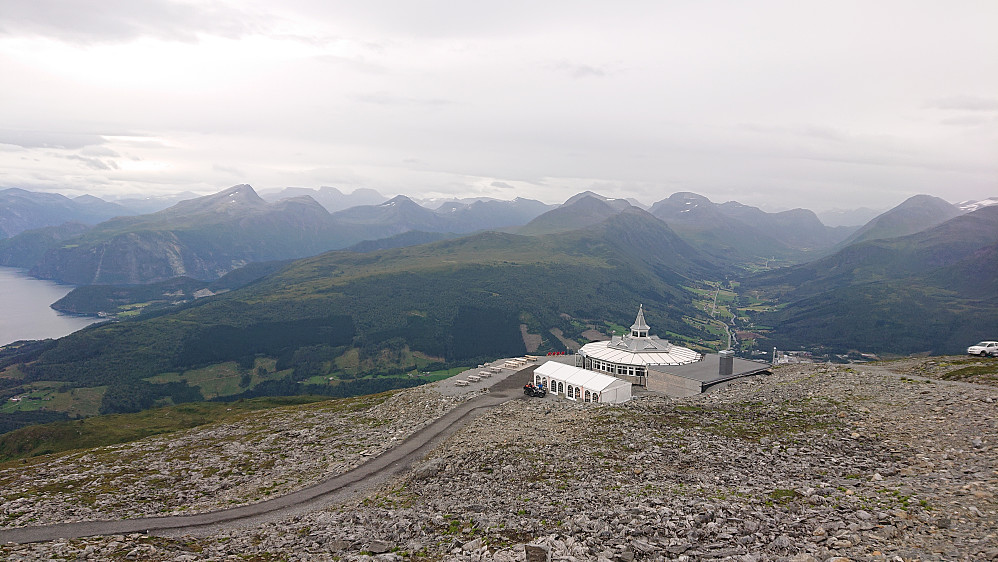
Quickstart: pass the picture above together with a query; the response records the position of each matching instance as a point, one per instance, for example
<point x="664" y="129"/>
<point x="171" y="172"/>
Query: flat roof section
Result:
<point x="707" y="370"/>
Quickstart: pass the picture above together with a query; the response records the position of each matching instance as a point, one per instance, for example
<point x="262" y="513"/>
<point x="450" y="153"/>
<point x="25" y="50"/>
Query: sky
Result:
<point x="778" y="104"/>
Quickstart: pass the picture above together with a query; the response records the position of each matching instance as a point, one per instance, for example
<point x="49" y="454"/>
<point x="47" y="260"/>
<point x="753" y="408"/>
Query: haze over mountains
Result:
<point x="206" y="237"/>
<point x="22" y="210"/>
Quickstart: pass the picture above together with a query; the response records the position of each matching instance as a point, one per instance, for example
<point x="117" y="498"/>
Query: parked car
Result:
<point x="984" y="348"/>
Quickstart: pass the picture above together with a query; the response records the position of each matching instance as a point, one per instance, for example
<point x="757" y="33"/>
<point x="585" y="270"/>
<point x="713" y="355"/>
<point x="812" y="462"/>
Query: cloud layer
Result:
<point x="779" y="104"/>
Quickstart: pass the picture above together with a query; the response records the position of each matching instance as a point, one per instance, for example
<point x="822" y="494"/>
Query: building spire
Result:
<point x="640" y="328"/>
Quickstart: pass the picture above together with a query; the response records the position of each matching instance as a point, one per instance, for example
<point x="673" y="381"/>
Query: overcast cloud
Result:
<point x="778" y="104"/>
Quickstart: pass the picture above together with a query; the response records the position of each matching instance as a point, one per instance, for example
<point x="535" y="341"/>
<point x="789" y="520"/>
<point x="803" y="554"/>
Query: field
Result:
<point x="224" y="379"/>
<point x="57" y="397"/>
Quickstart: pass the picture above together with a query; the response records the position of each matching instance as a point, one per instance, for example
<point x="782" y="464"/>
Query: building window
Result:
<point x="561" y="387"/>
<point x="569" y="391"/>
<point x="589" y="397"/>
<point x="578" y="393"/>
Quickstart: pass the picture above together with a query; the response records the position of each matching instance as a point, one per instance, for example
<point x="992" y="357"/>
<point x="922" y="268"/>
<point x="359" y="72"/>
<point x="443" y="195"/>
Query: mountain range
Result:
<point x="365" y="319"/>
<point x="745" y="235"/>
<point x="202" y="238"/>
<point x="22" y="210"/>
<point x="207" y="237"/>
<point x="329" y="197"/>
<point x="194" y="238"/>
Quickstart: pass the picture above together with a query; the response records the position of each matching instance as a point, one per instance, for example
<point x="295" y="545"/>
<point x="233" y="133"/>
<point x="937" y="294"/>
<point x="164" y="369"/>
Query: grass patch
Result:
<point x="751" y="421"/>
<point x="987" y="372"/>
<point x="431" y="376"/>
<point x="783" y="497"/>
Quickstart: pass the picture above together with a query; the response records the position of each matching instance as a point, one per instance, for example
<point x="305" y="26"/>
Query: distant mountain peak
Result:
<point x="689" y="196"/>
<point x="584" y="194"/>
<point x="578" y="212"/>
<point x="923" y="199"/>
<point x="616" y="204"/>
<point x="915" y="214"/>
<point x="398" y="200"/>
<point x="241" y="190"/>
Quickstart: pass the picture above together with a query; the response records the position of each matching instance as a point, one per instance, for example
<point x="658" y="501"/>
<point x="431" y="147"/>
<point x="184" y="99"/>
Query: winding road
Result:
<point x="367" y="476"/>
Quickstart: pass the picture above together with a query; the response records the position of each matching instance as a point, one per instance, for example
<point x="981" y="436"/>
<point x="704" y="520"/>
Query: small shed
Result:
<point x="574" y="383"/>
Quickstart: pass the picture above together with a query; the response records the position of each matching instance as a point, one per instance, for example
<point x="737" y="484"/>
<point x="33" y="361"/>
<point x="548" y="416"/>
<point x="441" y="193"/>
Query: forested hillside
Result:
<point x="927" y="292"/>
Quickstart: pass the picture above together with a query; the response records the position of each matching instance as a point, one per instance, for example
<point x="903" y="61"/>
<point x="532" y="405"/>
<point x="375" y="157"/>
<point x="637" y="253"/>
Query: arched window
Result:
<point x="578" y="393"/>
<point x="589" y="397"/>
<point x="570" y="395"/>
<point x="561" y="387"/>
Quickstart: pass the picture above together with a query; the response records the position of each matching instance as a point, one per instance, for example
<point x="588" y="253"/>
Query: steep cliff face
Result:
<point x="133" y="258"/>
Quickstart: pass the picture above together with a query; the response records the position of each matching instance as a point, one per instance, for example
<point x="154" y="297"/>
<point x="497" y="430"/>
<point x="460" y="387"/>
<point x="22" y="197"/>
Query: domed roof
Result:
<point x="639" y="348"/>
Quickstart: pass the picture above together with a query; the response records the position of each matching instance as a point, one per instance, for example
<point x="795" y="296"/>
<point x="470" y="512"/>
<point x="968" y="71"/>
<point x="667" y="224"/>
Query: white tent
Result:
<point x="579" y="384"/>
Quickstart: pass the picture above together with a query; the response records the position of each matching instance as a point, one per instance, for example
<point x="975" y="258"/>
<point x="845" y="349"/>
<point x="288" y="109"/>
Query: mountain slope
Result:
<point x="202" y="238"/>
<point x="932" y="291"/>
<point x="881" y="259"/>
<point x="29" y="247"/>
<point x="913" y="215"/>
<point x="22" y="210"/>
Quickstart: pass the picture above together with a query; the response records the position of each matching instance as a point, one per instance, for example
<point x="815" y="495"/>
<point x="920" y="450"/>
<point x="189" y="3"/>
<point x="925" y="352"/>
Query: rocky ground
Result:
<point x="814" y="462"/>
<point x="263" y="455"/>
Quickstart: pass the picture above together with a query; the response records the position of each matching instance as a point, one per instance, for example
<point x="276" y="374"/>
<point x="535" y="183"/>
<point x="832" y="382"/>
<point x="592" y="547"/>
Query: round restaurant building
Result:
<point x="629" y="356"/>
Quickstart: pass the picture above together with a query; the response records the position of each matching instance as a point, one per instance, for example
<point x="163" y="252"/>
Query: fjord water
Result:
<point x="25" y="312"/>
